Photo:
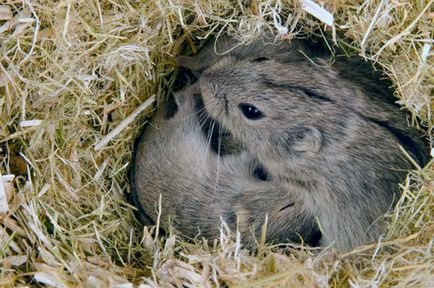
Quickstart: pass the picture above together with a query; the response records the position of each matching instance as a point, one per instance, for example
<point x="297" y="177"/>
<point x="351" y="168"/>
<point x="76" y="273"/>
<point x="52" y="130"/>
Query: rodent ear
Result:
<point x="185" y="97"/>
<point x="171" y="107"/>
<point x="179" y="99"/>
<point x="304" y="139"/>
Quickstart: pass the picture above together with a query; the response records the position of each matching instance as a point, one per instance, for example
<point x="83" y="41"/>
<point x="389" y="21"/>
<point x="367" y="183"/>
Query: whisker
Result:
<point x="218" y="163"/>
<point x="203" y="117"/>
<point x="208" y="140"/>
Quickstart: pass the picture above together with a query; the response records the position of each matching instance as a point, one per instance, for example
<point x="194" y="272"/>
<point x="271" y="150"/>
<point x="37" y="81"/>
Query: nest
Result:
<point x="77" y="79"/>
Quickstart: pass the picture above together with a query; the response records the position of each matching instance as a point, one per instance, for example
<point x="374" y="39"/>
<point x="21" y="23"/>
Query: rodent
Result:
<point x="329" y="134"/>
<point x="203" y="177"/>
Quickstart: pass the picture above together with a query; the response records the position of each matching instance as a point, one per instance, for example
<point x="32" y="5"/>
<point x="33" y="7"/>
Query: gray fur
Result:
<point x="326" y="149"/>
<point x="198" y="186"/>
<point x="330" y="136"/>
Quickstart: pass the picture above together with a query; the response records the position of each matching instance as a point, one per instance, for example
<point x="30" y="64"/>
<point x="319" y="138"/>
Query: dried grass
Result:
<point x="72" y="71"/>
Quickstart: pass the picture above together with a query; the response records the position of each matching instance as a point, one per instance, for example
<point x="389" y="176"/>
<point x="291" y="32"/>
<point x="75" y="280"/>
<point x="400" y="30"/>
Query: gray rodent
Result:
<point x="201" y="181"/>
<point x="321" y="166"/>
<point x="329" y="134"/>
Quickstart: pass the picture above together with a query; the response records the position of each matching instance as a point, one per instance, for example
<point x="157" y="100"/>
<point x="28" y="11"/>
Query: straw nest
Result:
<point x="73" y="79"/>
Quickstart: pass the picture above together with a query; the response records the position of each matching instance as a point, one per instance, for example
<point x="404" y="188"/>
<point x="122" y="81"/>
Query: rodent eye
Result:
<point x="259" y="172"/>
<point x="250" y="111"/>
<point x="261" y="59"/>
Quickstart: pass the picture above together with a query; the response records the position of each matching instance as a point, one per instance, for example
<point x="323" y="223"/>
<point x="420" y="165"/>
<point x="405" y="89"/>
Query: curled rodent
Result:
<point x="303" y="142"/>
<point x="328" y="133"/>
<point x="203" y="177"/>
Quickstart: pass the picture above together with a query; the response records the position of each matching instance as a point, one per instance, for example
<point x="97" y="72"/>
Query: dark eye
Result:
<point x="250" y="111"/>
<point x="261" y="59"/>
<point x="260" y="173"/>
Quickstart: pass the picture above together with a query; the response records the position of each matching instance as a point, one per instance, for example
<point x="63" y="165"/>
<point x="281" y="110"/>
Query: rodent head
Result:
<point x="291" y="108"/>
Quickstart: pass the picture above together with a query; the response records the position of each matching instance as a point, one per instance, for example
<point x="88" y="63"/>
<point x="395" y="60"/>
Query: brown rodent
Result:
<point x="329" y="134"/>
<point x="203" y="177"/>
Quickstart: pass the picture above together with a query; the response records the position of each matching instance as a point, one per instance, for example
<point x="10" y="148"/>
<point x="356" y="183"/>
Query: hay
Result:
<point x="72" y="71"/>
